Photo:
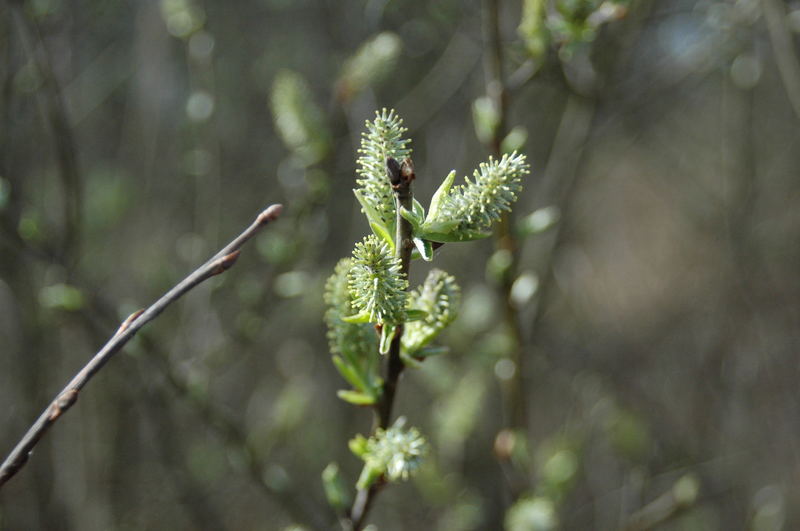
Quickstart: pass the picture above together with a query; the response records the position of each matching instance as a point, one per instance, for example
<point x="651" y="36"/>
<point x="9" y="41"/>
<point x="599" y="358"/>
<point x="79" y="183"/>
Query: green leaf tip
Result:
<point x="376" y="282"/>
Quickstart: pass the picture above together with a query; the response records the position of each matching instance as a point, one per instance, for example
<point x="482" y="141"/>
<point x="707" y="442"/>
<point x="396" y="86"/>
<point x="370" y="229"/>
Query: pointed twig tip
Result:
<point x="271" y="213"/>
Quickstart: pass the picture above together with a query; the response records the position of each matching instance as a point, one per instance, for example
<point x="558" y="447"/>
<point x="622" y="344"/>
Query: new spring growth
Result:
<point x="376" y="282"/>
<point x="466" y="212"/>
<point x="369" y="291"/>
<point x="395" y="453"/>
<point x="383" y="140"/>
<point x="438" y="298"/>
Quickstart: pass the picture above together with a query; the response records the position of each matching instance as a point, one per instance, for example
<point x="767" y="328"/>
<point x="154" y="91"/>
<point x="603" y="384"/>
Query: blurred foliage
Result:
<point x="298" y="119"/>
<point x="655" y="273"/>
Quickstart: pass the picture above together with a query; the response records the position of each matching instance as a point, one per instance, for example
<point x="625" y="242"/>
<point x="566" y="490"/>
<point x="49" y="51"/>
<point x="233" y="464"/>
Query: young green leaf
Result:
<point x="350" y="374"/>
<point x="424" y="247"/>
<point x="439" y="195"/>
<point x="356" y="398"/>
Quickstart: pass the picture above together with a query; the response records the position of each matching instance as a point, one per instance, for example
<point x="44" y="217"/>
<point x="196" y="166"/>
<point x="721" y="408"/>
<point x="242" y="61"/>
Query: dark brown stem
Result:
<point x="404" y="245"/>
<point x="219" y="263"/>
<point x="401" y="177"/>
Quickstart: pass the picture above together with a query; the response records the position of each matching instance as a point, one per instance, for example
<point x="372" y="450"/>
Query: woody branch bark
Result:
<point x="219" y="263"/>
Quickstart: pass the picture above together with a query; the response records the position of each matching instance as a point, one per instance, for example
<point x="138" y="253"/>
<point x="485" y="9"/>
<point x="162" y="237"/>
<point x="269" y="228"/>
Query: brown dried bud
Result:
<point x="407" y="170"/>
<point x="271" y="213"/>
<point x="393" y="171"/>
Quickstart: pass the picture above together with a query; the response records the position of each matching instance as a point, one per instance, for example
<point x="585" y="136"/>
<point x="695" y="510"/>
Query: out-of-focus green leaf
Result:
<point x="371" y="64"/>
<point x="628" y="433"/>
<point x="486" y="118"/>
<point x="335" y="491"/>
<point x="458" y="413"/>
<point x="531" y="514"/>
<point x="514" y="140"/>
<point x="538" y="221"/>
<point x="62" y="297"/>
<point x="182" y="17"/>
<point x="532" y="28"/>
<point x="356" y="398"/>
<point x="298" y="119"/>
<point x="291" y="405"/>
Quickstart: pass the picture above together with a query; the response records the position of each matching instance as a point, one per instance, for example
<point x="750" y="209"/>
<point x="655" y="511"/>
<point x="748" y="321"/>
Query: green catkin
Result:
<point x="377" y="285"/>
<point x="383" y="139"/>
<point x="439" y="296"/>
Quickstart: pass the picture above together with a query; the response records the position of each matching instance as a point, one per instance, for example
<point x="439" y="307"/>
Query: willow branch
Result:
<point x="219" y="263"/>
<point x="401" y="177"/>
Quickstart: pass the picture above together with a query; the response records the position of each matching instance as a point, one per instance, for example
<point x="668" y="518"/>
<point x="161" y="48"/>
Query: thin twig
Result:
<point x="219" y="263"/>
<point x="401" y="177"/>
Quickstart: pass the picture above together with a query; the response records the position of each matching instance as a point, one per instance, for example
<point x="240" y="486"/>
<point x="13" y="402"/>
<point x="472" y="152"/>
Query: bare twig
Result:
<point x="401" y="177"/>
<point x="219" y="263"/>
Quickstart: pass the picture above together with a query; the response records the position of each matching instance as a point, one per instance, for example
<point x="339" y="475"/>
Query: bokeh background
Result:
<point x="625" y="357"/>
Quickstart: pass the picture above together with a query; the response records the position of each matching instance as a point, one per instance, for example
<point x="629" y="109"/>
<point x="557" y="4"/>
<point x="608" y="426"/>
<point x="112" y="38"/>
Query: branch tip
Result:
<point x="271" y="213"/>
